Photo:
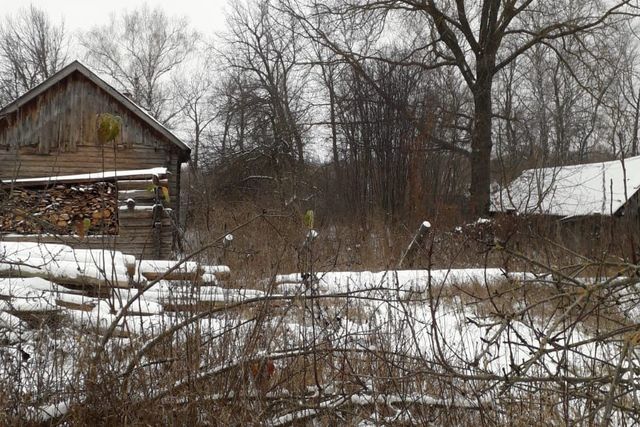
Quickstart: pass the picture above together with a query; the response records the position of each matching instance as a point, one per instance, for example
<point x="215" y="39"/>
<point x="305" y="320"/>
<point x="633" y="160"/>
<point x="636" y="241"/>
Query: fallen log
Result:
<point x="156" y="269"/>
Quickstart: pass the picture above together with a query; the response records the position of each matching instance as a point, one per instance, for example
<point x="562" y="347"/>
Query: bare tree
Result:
<point x="139" y="50"/>
<point x="569" y="102"/>
<point x="32" y="48"/>
<point x="622" y="104"/>
<point x="266" y="51"/>
<point x="478" y="39"/>
<point x="195" y="91"/>
<point x="243" y="113"/>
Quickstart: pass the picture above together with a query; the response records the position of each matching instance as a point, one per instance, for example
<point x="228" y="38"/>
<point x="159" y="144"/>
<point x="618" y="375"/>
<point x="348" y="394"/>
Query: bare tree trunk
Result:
<point x="636" y="119"/>
<point x="481" y="142"/>
<point x="196" y="148"/>
<point x="334" y="128"/>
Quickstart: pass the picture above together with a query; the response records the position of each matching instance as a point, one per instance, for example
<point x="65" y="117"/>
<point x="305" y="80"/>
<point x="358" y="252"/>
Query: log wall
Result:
<point x="56" y="134"/>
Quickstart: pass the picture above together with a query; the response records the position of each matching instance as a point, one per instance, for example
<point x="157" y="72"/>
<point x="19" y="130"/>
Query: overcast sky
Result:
<point x="206" y="16"/>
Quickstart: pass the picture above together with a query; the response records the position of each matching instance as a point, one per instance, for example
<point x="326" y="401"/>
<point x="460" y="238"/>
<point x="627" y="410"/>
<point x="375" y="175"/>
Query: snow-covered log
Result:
<point x="156" y="269"/>
<point x="63" y="265"/>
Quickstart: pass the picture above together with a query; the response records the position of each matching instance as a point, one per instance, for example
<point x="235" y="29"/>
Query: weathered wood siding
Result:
<point x="138" y="232"/>
<point x="64" y="117"/>
<point x="56" y="134"/>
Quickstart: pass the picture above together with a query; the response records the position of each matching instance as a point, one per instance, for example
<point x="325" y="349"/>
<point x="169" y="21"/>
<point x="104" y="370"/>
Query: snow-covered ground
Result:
<point x="452" y="323"/>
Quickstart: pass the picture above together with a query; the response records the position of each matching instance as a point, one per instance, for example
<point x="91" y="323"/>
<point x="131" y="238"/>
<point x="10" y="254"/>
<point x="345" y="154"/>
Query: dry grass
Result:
<point x="228" y="368"/>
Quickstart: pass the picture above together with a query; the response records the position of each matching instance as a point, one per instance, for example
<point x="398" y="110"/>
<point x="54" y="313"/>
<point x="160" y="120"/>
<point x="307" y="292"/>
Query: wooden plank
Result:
<point x="137" y="213"/>
<point x="166" y="231"/>
<point x="88" y="306"/>
<point x="86" y="158"/>
<point x="142" y="222"/>
<point x="62" y="239"/>
<point x="139" y="184"/>
<point x="36" y="319"/>
<point x="145" y="236"/>
<point x="138" y="246"/>
<point x="94" y="176"/>
<point x="137" y="195"/>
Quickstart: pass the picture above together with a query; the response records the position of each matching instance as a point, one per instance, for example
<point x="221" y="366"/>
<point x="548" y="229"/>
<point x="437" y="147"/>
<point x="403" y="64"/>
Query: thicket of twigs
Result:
<point x="555" y="346"/>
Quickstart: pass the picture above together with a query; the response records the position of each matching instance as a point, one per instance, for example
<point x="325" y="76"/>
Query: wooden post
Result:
<point x="226" y="244"/>
<point x="158" y="208"/>
<point x="410" y="253"/>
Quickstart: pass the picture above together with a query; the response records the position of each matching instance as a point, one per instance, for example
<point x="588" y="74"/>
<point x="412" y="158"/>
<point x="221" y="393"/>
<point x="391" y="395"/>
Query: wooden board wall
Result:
<point x="65" y="116"/>
<point x="137" y="235"/>
<point x="56" y="134"/>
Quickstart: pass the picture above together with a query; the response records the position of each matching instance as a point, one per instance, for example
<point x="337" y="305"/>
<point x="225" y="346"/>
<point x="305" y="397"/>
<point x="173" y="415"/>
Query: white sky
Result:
<point x="206" y="16"/>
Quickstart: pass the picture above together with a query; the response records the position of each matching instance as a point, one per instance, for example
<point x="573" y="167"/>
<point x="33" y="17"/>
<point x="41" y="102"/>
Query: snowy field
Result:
<point x="399" y="345"/>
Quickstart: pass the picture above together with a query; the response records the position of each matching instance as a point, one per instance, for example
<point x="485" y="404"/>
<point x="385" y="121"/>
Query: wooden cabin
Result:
<point x="53" y="137"/>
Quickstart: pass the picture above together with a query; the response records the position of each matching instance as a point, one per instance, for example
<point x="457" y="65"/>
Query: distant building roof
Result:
<point x="591" y="189"/>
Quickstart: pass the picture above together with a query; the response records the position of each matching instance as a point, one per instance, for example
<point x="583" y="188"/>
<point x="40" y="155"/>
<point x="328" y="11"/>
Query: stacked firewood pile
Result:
<point x="61" y="209"/>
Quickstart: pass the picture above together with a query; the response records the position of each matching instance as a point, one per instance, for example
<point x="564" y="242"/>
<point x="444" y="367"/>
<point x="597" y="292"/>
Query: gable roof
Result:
<point x="76" y="66"/>
<point x="597" y="188"/>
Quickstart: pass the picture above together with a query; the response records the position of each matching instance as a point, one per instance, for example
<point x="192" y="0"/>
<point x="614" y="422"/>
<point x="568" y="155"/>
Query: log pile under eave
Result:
<point x="86" y="209"/>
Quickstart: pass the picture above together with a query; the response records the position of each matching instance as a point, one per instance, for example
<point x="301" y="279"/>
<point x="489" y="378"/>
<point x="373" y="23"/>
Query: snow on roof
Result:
<point x="596" y="188"/>
<point x="94" y="176"/>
